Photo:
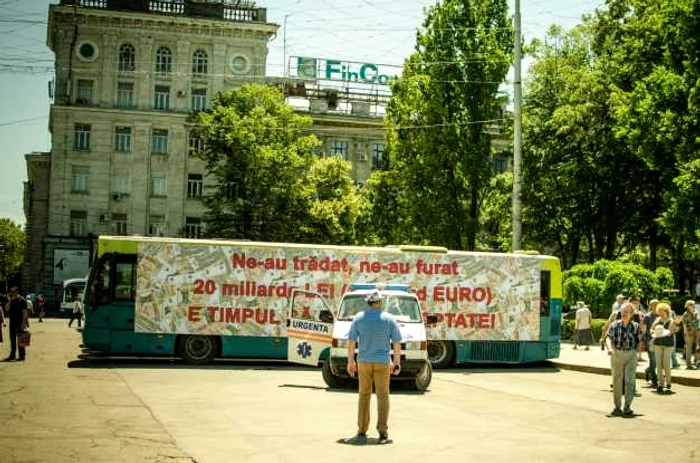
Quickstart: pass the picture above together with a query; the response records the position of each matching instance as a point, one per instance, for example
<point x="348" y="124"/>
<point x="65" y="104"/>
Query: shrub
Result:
<point x="597" y="284"/>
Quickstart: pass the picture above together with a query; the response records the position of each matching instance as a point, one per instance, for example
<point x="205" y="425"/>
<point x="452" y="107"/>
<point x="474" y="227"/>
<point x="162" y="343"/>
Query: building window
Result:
<point x="127" y="58"/>
<point x="164" y="61"/>
<point x="199" y="99"/>
<point x="162" y="98"/>
<point x="196" y="146"/>
<point x="159" y="141"/>
<point x="199" y="62"/>
<point x="195" y="185"/>
<point x="80" y="179"/>
<point x="81" y="137"/>
<point x="340" y="148"/>
<point x="121" y="182"/>
<point x="119" y="224"/>
<point x="122" y="139"/>
<point x="378" y="155"/>
<point x="78" y="223"/>
<point x="84" y="93"/>
<point x="156" y="225"/>
<point x="125" y="94"/>
<point x="159" y="184"/>
<point x="193" y="227"/>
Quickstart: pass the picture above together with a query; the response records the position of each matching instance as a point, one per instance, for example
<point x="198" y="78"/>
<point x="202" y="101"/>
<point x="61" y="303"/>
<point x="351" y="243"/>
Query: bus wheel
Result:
<point x="440" y="353"/>
<point x="330" y="379"/>
<point x="198" y="350"/>
<point x="423" y="378"/>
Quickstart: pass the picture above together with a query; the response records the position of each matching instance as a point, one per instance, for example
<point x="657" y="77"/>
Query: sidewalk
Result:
<point x="597" y="361"/>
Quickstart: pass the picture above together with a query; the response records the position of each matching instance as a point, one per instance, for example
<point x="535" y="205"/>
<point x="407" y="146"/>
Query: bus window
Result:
<point x="545" y="283"/>
<point x="99" y="287"/>
<point x="124" y="278"/>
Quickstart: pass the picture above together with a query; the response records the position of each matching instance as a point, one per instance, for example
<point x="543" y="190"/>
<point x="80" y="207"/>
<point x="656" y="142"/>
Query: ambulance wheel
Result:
<point x="423" y="378"/>
<point x="198" y="350"/>
<point x="330" y="379"/>
<point x="441" y="353"/>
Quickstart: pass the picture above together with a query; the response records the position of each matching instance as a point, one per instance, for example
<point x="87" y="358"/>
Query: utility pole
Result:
<point x="518" y="134"/>
<point x="284" y="46"/>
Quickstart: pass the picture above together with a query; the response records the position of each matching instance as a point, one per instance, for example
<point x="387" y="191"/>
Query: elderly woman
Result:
<point x="662" y="334"/>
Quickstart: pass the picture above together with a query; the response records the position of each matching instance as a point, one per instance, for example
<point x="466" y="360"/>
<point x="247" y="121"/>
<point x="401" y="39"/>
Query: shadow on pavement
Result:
<point x="101" y="361"/>
<point x="469" y="369"/>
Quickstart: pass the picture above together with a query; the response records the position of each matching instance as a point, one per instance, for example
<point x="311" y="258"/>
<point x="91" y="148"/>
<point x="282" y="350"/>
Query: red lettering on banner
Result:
<point x="247" y="313"/>
<point x="460" y="294"/>
<point x="193" y="314"/>
<point x="466" y="320"/>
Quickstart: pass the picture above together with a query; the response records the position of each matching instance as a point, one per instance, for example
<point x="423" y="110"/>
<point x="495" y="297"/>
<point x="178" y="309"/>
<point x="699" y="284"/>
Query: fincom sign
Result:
<point x="346" y="71"/>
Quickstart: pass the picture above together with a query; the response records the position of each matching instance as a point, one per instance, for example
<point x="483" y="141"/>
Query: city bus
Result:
<point x="205" y="299"/>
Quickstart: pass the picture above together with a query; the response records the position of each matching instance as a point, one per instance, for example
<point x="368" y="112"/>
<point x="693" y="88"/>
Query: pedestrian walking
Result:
<point x="2" y="319"/>
<point x="649" y="320"/>
<point x="377" y="331"/>
<point x="622" y="340"/>
<point x="19" y="321"/>
<point x="690" y="334"/>
<point x="41" y="303"/>
<point x="77" y="310"/>
<point x="584" y="337"/>
<point x="664" y="341"/>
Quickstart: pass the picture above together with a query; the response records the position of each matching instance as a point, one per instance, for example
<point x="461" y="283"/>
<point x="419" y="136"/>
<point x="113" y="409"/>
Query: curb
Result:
<point x="606" y="371"/>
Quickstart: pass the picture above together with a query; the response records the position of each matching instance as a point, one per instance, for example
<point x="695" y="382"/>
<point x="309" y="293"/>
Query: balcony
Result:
<point x="227" y="10"/>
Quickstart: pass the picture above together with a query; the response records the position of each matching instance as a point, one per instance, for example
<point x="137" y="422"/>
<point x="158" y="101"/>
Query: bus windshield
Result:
<point x="403" y="308"/>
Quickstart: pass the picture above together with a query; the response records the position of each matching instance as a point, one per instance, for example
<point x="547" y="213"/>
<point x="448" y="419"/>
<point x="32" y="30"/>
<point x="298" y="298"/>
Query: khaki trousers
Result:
<point x="379" y="374"/>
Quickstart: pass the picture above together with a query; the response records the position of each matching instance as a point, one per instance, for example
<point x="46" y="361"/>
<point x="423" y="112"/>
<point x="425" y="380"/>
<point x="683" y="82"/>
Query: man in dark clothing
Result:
<point x="18" y="323"/>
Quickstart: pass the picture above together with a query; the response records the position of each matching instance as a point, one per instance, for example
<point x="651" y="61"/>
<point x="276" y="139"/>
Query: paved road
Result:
<point x="57" y="408"/>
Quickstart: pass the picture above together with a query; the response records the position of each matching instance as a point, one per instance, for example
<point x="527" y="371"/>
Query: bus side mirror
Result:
<point x="326" y="316"/>
<point x="431" y="319"/>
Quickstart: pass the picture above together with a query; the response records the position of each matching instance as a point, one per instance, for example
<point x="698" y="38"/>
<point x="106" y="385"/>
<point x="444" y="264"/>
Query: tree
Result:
<point x="439" y="149"/>
<point x="260" y="158"/>
<point x="582" y="192"/>
<point x="12" y="242"/>
<point x="269" y="186"/>
<point x="336" y="203"/>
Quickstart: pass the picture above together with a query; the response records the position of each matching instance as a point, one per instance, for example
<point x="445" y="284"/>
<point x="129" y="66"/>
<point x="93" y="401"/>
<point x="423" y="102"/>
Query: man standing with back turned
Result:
<point x="376" y="330"/>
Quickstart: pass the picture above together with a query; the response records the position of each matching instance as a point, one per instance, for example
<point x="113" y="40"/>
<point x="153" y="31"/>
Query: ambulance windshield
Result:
<point x="403" y="308"/>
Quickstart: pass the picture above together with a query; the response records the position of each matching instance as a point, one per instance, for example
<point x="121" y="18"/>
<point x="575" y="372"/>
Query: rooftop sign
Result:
<point x="344" y="71"/>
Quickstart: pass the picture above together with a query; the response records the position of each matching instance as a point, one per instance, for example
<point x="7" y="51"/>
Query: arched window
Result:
<point x="127" y="58"/>
<point x="199" y="62"/>
<point x="164" y="60"/>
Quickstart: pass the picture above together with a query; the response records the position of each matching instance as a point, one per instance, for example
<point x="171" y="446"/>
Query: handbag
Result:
<point x="24" y="339"/>
<point x="664" y="341"/>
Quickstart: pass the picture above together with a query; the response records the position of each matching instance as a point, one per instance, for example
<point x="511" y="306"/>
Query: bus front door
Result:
<point x="97" y="329"/>
<point x="309" y="327"/>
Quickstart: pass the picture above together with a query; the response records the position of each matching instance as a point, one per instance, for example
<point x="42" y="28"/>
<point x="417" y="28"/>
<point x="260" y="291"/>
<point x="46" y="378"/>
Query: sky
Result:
<point x="378" y="31"/>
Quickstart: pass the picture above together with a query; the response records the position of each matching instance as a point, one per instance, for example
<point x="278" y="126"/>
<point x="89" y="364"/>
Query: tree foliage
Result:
<point x="268" y="185"/>
<point x="12" y="243"/>
<point x="439" y="149"/>
<point x="612" y="136"/>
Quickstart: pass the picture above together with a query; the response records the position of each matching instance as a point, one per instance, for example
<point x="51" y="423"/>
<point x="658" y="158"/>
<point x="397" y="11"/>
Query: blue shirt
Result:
<point x="376" y="330"/>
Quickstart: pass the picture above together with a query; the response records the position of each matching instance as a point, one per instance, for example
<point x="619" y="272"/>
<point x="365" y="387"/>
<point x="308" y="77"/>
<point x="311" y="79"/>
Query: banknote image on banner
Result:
<point x="243" y="290"/>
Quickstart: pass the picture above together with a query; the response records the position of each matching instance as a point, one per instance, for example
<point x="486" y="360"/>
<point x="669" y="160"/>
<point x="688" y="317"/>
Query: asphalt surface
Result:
<point x="58" y="407"/>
